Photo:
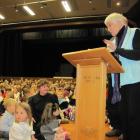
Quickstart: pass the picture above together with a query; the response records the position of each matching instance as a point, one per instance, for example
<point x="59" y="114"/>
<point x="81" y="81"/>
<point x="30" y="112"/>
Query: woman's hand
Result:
<point x="110" y="45"/>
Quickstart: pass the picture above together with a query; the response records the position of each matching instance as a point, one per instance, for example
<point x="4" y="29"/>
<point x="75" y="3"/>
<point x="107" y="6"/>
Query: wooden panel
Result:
<point x="90" y="103"/>
<point x="85" y="62"/>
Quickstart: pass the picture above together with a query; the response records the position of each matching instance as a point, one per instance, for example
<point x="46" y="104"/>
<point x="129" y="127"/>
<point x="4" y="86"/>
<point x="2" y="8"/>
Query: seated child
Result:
<point x="7" y="118"/>
<point x="22" y="127"/>
<point x="49" y="121"/>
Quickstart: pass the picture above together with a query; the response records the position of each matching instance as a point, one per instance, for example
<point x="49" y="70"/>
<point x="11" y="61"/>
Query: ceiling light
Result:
<point x="118" y="3"/>
<point x="16" y="9"/>
<point x="43" y="5"/>
<point x="66" y="5"/>
<point x="28" y="10"/>
<point x="2" y="17"/>
<point x="90" y="1"/>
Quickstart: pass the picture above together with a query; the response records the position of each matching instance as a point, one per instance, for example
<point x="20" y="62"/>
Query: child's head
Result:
<point x="42" y="86"/>
<point x="50" y="112"/>
<point x="23" y="113"/>
<point x="9" y="105"/>
<point x="60" y="92"/>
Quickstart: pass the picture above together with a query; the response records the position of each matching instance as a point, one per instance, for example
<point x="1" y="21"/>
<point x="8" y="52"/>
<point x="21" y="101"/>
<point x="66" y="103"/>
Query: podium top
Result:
<point x="94" y="57"/>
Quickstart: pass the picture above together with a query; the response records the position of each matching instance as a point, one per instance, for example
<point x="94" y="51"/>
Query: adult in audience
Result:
<point x="38" y="102"/>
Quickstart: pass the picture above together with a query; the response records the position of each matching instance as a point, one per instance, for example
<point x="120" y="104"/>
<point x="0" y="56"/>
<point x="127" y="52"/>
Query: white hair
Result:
<point x="116" y="17"/>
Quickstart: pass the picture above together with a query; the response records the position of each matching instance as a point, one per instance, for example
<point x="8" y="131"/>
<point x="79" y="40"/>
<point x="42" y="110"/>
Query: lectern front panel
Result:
<point x="90" y="103"/>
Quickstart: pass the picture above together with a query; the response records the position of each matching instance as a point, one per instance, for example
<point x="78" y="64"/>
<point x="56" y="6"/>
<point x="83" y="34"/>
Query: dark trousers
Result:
<point x="113" y="113"/>
<point x="113" y="110"/>
<point x="130" y="111"/>
<point x="38" y="134"/>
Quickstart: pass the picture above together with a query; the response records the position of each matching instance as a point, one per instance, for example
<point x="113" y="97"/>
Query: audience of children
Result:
<point x="24" y="88"/>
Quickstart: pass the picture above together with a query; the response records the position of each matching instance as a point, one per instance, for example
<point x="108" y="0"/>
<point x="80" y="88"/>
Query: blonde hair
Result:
<point x="27" y="108"/>
<point x="47" y="115"/>
<point x="116" y="17"/>
<point x="9" y="102"/>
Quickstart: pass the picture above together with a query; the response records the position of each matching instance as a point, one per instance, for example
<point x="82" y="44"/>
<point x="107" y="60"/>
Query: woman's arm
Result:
<point x="132" y="54"/>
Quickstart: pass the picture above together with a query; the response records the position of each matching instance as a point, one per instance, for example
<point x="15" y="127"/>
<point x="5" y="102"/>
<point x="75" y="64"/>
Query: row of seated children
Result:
<point x="16" y="122"/>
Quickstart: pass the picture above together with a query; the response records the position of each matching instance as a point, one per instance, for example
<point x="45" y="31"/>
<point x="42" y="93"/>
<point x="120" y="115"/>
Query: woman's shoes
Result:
<point x="113" y="133"/>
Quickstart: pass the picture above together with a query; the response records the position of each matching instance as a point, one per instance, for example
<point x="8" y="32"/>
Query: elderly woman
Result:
<point x="125" y="44"/>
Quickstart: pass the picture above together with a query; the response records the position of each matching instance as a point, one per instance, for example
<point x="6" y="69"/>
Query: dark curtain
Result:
<point x="39" y="52"/>
<point x="10" y="53"/>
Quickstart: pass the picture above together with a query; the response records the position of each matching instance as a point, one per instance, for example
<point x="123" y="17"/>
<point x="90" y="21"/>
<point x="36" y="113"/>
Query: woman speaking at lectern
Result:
<point x="126" y="48"/>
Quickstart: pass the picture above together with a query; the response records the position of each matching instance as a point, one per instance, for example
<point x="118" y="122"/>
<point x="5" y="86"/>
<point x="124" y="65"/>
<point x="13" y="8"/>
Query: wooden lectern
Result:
<point x="92" y="67"/>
